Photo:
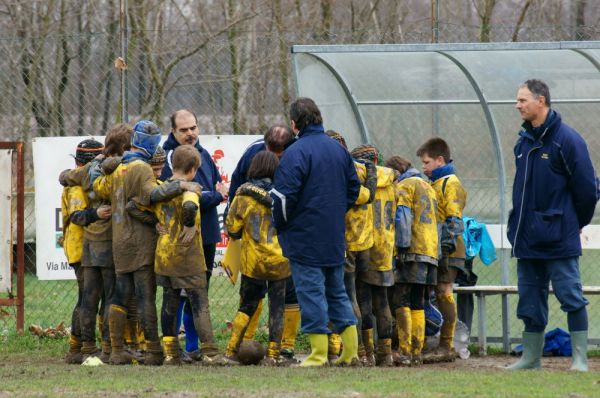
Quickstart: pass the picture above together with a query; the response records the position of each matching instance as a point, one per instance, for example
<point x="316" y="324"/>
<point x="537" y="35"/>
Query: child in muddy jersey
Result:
<point x="264" y="269"/>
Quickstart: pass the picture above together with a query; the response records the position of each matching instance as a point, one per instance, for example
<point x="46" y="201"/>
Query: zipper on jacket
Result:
<point x="523" y="191"/>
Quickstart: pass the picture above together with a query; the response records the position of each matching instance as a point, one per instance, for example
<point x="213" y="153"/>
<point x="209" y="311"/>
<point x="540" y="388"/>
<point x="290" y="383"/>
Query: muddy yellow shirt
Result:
<point x="173" y="257"/>
<point x="261" y="257"/>
<point x="134" y="242"/>
<point x="73" y="199"/>
<point x="359" y="218"/>
<point x="99" y="230"/>
<point x="451" y="198"/>
<point x="384" y="209"/>
<point x="417" y="195"/>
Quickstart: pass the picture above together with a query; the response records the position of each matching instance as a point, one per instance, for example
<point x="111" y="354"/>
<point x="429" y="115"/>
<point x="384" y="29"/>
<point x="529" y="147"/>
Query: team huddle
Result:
<point x="343" y="241"/>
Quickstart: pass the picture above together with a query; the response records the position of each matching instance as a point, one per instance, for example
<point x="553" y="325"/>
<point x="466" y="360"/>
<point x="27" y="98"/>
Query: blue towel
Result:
<point x="478" y="241"/>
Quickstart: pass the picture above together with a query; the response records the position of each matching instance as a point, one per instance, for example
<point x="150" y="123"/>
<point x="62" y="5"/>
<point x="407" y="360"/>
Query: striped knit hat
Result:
<point x="366" y="152"/>
<point x="159" y="157"/>
<point x="87" y="150"/>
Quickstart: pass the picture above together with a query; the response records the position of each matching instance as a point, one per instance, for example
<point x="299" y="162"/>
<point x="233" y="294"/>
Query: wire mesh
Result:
<point x="236" y="84"/>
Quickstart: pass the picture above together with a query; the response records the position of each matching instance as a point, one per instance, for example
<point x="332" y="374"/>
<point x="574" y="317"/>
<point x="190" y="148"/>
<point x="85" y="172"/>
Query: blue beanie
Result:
<point x="146" y="136"/>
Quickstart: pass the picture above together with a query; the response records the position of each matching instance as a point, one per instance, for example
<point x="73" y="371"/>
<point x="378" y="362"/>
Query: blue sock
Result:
<point x="578" y="320"/>
<point x="191" y="336"/>
<point x="179" y="314"/>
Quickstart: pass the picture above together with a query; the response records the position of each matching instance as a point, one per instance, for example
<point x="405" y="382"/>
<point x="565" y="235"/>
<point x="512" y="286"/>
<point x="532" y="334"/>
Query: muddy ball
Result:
<point x="251" y="352"/>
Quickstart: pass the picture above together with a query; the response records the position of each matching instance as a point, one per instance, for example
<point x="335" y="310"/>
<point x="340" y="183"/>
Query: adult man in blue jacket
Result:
<point x="314" y="186"/>
<point x="185" y="131"/>
<point x="554" y="197"/>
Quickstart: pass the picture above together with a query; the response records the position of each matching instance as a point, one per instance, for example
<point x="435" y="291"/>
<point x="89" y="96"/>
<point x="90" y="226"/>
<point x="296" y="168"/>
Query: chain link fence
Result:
<point x="237" y="82"/>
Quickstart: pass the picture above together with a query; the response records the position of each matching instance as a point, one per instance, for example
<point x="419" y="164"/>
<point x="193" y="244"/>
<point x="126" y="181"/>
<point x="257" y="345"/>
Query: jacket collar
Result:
<point x="130" y="156"/>
<point x="535" y="133"/>
<point x="171" y="143"/>
<point x="264" y="183"/>
<point x="311" y="129"/>
<point x="412" y="172"/>
<point x="443" y="171"/>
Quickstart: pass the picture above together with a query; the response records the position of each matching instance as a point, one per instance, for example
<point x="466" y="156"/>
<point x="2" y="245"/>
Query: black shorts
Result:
<point x="416" y="272"/>
<point x="182" y="282"/>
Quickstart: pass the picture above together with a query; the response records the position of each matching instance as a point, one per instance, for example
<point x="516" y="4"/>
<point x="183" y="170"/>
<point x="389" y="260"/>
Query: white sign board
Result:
<point x="6" y="243"/>
<point x="51" y="156"/>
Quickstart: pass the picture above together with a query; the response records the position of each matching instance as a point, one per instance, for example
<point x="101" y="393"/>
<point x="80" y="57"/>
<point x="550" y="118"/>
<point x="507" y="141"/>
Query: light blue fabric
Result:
<point x="403" y="222"/>
<point x="478" y="241"/>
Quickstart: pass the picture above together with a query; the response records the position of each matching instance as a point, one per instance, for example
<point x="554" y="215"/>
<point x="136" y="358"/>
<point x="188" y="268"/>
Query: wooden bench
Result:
<point x="482" y="291"/>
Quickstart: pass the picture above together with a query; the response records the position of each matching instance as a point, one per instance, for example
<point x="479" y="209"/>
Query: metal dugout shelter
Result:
<point x="397" y="96"/>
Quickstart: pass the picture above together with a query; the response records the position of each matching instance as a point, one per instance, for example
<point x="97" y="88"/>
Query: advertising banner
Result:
<point x="51" y="155"/>
<point x="6" y="241"/>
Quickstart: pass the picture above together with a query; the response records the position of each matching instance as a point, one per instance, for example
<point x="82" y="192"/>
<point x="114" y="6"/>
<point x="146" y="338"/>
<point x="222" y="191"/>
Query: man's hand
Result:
<point x="161" y="229"/>
<point x="191" y="186"/>
<point x="223" y="189"/>
<point x="187" y="234"/>
<point x="104" y="212"/>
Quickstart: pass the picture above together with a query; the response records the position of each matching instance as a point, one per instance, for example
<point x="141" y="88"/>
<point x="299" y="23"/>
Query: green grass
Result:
<point x="30" y="366"/>
<point x="48" y="303"/>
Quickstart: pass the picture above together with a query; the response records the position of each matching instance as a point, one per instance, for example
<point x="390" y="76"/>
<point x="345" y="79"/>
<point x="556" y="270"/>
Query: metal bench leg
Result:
<point x="481" y="339"/>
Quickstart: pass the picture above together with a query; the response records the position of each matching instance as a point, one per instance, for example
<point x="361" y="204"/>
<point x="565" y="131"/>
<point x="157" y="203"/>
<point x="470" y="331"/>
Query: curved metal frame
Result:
<point x="587" y="56"/>
<point x="364" y="131"/>
<point x="502" y="193"/>
<point x="443" y="49"/>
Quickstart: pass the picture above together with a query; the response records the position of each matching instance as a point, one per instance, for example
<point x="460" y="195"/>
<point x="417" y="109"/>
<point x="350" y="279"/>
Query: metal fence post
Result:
<point x="123" y="36"/>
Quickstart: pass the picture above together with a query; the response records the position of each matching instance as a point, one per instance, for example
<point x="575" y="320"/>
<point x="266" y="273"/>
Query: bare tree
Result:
<point x="485" y="8"/>
<point x="520" y="20"/>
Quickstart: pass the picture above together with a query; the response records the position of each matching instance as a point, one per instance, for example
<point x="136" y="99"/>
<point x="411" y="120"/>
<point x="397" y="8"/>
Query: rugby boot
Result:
<point x="89" y="349"/>
<point x="318" y="354"/>
<point x="239" y="326"/>
<point x="404" y="329"/>
<point x="533" y="347"/>
<point x="273" y="358"/>
<point x="349" y="355"/>
<point x="253" y="324"/>
<point x="579" y="344"/>
<point x="362" y="354"/>
<point x="105" y="355"/>
<point x="369" y="358"/>
<point x="334" y="347"/>
<point x="291" y="323"/>
<point x="74" y="355"/>
<point x="172" y="350"/>
<point x="417" y="335"/>
<point x="195" y="355"/>
<point x="211" y="355"/>
<point x="117" y="317"/>
<point x="154" y="353"/>
<point x="384" y="353"/>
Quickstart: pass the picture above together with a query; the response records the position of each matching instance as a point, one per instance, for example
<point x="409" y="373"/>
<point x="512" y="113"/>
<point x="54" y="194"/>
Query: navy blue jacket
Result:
<point x="239" y="174"/>
<point x="314" y="185"/>
<point x="554" y="192"/>
<point x="207" y="176"/>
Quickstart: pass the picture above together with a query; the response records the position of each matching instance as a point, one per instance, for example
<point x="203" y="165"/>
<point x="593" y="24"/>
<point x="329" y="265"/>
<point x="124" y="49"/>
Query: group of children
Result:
<point x="125" y="232"/>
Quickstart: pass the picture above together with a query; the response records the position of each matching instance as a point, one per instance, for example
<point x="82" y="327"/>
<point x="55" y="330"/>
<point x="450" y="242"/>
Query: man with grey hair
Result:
<point x="554" y="197"/>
